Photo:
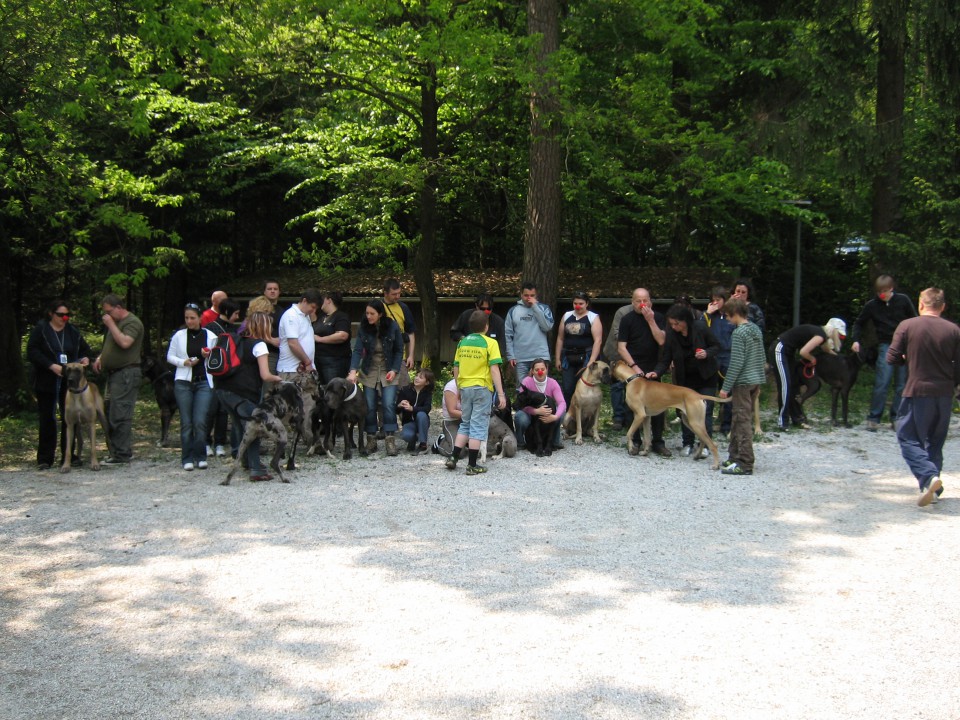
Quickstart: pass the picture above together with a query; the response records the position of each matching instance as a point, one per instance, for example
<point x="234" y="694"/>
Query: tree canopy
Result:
<point x="152" y="147"/>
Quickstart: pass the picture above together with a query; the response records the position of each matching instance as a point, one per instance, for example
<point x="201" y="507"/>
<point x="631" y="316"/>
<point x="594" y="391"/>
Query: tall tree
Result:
<point x="541" y="248"/>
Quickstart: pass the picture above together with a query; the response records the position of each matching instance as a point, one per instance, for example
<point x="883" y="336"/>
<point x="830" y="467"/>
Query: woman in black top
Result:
<point x="331" y="332"/>
<point x="692" y="350"/>
<point x="53" y="343"/>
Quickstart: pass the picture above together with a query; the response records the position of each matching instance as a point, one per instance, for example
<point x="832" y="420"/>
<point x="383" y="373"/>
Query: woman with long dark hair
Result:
<point x="53" y="343"/>
<point x="192" y="387"/>
<point x="376" y="358"/>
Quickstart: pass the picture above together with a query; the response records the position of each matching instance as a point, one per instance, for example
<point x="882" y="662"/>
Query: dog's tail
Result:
<point x="715" y="399"/>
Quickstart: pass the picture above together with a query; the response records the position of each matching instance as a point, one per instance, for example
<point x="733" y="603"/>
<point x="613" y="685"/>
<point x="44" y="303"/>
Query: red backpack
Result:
<point x="224" y="358"/>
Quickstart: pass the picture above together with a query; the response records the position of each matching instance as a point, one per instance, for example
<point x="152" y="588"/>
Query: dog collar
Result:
<point x="77" y="392"/>
<point x="587" y="384"/>
<point x="632" y="378"/>
<point x="354" y="393"/>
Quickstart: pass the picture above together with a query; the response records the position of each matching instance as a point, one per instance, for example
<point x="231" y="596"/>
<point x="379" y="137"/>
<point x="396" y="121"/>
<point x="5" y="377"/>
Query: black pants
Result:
<point x="50" y="414"/>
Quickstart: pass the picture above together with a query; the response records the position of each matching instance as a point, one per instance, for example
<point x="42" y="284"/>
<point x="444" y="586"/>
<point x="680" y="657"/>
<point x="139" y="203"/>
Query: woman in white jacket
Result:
<point x="192" y="387"/>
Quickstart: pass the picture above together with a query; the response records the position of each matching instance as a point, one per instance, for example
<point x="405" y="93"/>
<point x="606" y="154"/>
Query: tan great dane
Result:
<point x="584" y="410"/>
<point x="81" y="410"/>
<point x="646" y="399"/>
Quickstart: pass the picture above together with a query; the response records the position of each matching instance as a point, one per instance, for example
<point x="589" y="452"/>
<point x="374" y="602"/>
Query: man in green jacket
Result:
<point x="743" y="380"/>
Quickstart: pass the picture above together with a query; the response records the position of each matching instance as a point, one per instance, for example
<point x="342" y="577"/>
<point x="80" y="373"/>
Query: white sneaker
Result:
<point x="209" y="451"/>
<point x="928" y="493"/>
<point x="188" y="466"/>
<point x="202" y="465"/>
<point x="688" y="450"/>
<point x="221" y="452"/>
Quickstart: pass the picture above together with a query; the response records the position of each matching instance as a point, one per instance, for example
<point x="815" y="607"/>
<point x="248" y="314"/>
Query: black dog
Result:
<point x="161" y="377"/>
<point x="539" y="435"/>
<point x="839" y="372"/>
<point x="345" y="409"/>
<point x="283" y="404"/>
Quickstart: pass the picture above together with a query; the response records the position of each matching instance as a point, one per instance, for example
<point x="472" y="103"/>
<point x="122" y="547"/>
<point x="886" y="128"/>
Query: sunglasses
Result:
<point x="62" y="315"/>
<point x="191" y="306"/>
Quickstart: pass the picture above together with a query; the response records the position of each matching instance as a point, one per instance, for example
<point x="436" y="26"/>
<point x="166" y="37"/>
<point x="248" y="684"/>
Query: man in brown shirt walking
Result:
<point x="929" y="346"/>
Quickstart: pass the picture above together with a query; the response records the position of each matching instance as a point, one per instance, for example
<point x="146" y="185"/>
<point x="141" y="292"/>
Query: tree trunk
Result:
<point x="12" y="379"/>
<point x="891" y="18"/>
<point x="541" y="249"/>
<point x="429" y="331"/>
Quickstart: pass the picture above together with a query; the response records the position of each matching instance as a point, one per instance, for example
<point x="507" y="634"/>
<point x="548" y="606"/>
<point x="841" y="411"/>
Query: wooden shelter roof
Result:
<point x="664" y="283"/>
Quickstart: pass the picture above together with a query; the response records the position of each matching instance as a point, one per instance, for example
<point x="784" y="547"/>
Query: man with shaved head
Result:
<point x="213" y="312"/>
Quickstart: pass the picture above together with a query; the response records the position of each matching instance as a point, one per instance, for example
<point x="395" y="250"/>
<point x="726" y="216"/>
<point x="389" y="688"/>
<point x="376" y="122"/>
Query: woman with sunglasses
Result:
<point x="192" y="387"/>
<point x="53" y="343"/>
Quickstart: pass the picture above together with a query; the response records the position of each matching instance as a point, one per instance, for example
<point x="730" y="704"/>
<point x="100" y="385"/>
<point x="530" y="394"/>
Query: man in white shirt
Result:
<point x="296" y="335"/>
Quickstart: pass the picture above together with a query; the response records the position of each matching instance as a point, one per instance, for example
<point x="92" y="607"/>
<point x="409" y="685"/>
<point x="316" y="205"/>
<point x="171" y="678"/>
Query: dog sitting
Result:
<point x="161" y="377"/>
<point x="539" y="434"/>
<point x="82" y="409"/>
<point x="282" y="405"/>
<point x="345" y="408"/>
<point x="839" y="372"/>
<point x="584" y="410"/>
<point x="646" y="399"/>
<point x="500" y="438"/>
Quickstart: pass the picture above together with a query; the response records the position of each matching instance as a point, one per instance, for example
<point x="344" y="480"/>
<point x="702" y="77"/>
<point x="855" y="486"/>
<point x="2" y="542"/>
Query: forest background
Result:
<point x="151" y="148"/>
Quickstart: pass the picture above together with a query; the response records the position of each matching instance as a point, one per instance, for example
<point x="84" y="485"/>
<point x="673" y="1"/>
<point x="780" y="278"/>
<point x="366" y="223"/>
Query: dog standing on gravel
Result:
<point x="161" y="378"/>
<point x="81" y="411"/>
<point x="584" y="410"/>
<point x="647" y="399"/>
<point x="839" y="372"/>
<point x="345" y="408"/>
<point x="282" y="405"/>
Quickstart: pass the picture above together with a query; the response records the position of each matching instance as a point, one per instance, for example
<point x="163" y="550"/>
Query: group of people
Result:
<point x="715" y="352"/>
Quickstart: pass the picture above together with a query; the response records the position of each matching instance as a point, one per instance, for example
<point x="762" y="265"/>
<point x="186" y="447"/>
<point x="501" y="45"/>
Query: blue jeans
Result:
<point x="921" y="431"/>
<point x="881" y="382"/>
<point x="475" y="404"/>
<point x="522" y="420"/>
<point x="241" y="410"/>
<point x="388" y="401"/>
<point x="416" y="431"/>
<point x="193" y="402"/>
<point x="618" y="401"/>
<point x="686" y="433"/>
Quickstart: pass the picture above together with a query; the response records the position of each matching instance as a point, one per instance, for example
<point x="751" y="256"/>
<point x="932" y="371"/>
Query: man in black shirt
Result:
<point x="639" y="339"/>
<point x="887" y="310"/>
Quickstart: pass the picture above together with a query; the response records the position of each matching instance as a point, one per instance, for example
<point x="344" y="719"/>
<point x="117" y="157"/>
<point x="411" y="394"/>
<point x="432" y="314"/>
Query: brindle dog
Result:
<point x="82" y="409"/>
<point x="281" y="405"/>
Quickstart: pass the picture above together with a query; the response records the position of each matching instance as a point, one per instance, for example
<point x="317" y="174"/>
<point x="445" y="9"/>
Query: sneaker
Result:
<point x="116" y="461"/>
<point x="476" y="469"/>
<point x="188" y="466"/>
<point x="687" y="450"/>
<point x="726" y="463"/>
<point x="616" y="425"/>
<point x="202" y="465"/>
<point x="43" y="466"/>
<point x="209" y="451"/>
<point x="421" y="448"/>
<point x="703" y="454"/>
<point x="221" y="451"/>
<point x="734" y="469"/>
<point x="872" y="425"/>
<point x="929" y="491"/>
<point x="451" y="463"/>
<point x="411" y="446"/>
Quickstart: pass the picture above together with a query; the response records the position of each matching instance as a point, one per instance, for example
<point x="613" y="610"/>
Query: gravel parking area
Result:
<point x="586" y="585"/>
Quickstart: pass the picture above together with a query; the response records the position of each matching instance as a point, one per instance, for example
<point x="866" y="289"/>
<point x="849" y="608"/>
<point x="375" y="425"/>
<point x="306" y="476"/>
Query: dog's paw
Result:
<point x="95" y="466"/>
<point x="578" y="441"/>
<point x="633" y="450"/>
<point x="599" y="438"/>
<point x="64" y="469"/>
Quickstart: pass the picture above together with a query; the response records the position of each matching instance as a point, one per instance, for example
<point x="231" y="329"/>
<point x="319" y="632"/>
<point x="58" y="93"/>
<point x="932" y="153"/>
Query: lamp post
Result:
<point x="796" y="263"/>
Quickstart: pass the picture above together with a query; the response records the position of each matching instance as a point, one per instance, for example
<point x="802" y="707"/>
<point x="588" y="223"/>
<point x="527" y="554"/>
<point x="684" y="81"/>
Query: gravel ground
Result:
<point x="586" y="585"/>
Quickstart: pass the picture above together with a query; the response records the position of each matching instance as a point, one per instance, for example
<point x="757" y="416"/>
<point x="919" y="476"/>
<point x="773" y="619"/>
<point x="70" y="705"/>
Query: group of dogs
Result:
<point x="319" y="413"/>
